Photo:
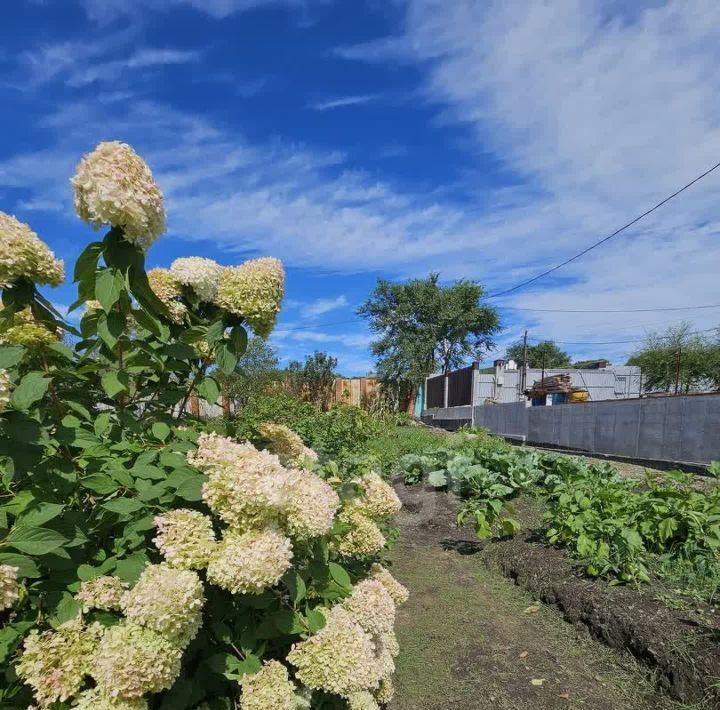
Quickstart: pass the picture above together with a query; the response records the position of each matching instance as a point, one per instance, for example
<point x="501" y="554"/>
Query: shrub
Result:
<point x="142" y="564"/>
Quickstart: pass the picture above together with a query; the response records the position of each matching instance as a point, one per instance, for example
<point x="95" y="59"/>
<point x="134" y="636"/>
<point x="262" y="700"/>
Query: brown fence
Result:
<point x="460" y="384"/>
<point x="357" y="391"/>
<point x="435" y="395"/>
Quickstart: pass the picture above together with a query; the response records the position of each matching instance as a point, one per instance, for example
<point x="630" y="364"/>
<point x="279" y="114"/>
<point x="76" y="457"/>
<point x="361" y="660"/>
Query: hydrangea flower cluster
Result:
<point x="25" y="330"/>
<point x="24" y="255"/>
<point x="253" y="290"/>
<point x="200" y="274"/>
<point x="103" y="593"/>
<point x="5" y="391"/>
<point x="185" y="538"/>
<point x="397" y="591"/>
<point x="250" y="562"/>
<point x="132" y="660"/>
<point x="309" y="505"/>
<point x="114" y="185"/>
<point x="9" y="589"/>
<point x="379" y="500"/>
<point x="363" y="537"/>
<point x="284" y="442"/>
<point x="95" y="700"/>
<point x="167" y="288"/>
<point x="270" y="687"/>
<point x="54" y="663"/>
<point x="167" y="600"/>
<point x="372" y="607"/>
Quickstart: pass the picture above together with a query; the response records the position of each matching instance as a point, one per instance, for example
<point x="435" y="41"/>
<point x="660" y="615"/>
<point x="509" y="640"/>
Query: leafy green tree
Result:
<point x="696" y="355"/>
<point x="423" y="326"/>
<point x="313" y="378"/>
<point x="545" y="351"/>
<point x="254" y="374"/>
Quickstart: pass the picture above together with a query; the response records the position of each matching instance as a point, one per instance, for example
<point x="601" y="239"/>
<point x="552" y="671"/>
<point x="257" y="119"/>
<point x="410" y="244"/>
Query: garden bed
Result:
<point x="679" y="648"/>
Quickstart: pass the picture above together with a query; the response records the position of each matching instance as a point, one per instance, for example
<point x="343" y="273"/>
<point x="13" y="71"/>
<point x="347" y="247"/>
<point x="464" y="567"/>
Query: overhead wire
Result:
<point x="606" y="239"/>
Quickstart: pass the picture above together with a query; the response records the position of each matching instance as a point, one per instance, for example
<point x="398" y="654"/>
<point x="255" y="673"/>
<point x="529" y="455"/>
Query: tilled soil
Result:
<point x="472" y="639"/>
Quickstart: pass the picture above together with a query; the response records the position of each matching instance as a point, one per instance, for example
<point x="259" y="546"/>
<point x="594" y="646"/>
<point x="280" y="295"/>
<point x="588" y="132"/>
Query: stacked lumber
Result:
<point x="552" y="384"/>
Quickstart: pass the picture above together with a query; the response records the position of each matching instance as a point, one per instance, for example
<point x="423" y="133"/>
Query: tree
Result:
<point x="314" y="378"/>
<point x="678" y="355"/>
<point x="423" y="326"/>
<point x="546" y="351"/>
<point x="255" y="372"/>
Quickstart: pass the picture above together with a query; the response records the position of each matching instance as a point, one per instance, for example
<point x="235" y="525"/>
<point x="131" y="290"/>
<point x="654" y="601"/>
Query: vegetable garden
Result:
<point x="150" y="560"/>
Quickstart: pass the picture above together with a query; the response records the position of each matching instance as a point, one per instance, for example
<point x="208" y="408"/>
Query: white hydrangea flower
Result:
<point x="250" y="562"/>
<point x="5" y="394"/>
<point x="54" y="663"/>
<point x="167" y="600"/>
<point x="253" y="290"/>
<point x="185" y="538"/>
<point x="132" y="660"/>
<point x="167" y="288"/>
<point x="114" y="186"/>
<point x="94" y="699"/>
<point x="25" y="330"/>
<point x="9" y="588"/>
<point x="270" y="687"/>
<point x="362" y="701"/>
<point x="244" y="486"/>
<point x="385" y="692"/>
<point x="379" y="500"/>
<point x="397" y="591"/>
<point x="101" y="593"/>
<point x="284" y="442"/>
<point x="309" y="504"/>
<point x="363" y="538"/>
<point x="200" y="274"/>
<point x="339" y="659"/>
<point x="24" y="254"/>
<point x="372" y="607"/>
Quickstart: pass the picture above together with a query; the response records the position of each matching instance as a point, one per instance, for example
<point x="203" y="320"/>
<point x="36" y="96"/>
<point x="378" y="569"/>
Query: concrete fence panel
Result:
<point x="682" y="429"/>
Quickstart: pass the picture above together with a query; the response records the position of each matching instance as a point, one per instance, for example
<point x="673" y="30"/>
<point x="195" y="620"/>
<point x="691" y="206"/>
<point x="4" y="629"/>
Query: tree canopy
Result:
<point x="255" y="372"/>
<point x="697" y="355"/>
<point x="314" y="377"/>
<point x="423" y="326"/>
<point x="545" y="352"/>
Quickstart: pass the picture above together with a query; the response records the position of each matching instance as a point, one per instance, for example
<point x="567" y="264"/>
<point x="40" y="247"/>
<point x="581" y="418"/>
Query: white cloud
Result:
<point x="105" y="11"/>
<point x="343" y="102"/>
<point x="321" y="306"/>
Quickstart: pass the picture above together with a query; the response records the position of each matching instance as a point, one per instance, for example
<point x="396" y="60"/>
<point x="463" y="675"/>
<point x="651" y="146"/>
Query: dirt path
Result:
<point x="470" y="639"/>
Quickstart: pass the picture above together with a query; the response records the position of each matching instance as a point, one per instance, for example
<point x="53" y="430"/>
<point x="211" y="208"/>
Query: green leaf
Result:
<point x="160" y="430"/>
<point x="87" y="261"/>
<point x="437" y="479"/>
<point x="108" y="287"/>
<point x="225" y="358"/>
<point x="99" y="483"/>
<point x="145" y="320"/>
<point x="238" y="341"/>
<point x="296" y="586"/>
<point x="31" y="389"/>
<point x="147" y="471"/>
<point x="191" y="489"/>
<point x="102" y="423"/>
<point x="61" y="349"/>
<point x="10" y="355"/>
<point x="35" y="540"/>
<point x="123" y="506"/>
<point x="114" y="383"/>
<point x="288" y="622"/>
<point x="110" y="327"/>
<point x="130" y="569"/>
<point x="180" y="351"/>
<point x="338" y="573"/>
<point x="41" y="513"/>
<point x="208" y="389"/>
<point x="315" y="620"/>
<point x="26" y="565"/>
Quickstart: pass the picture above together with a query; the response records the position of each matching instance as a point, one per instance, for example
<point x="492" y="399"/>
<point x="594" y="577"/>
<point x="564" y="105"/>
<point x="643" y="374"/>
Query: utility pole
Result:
<point x="523" y="379"/>
<point x="677" y="368"/>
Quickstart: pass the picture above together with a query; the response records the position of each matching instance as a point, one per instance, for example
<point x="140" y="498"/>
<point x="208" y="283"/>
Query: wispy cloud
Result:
<point x="343" y="102"/>
<point x="321" y="306"/>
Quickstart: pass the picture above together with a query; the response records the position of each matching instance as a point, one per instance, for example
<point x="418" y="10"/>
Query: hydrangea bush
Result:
<point x="145" y="563"/>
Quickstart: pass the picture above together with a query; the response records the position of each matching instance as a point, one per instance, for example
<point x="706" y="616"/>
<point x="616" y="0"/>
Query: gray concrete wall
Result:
<point x="682" y="429"/>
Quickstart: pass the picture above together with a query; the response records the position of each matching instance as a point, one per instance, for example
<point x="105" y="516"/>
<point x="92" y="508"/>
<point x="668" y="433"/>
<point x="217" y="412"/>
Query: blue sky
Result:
<point x="483" y="139"/>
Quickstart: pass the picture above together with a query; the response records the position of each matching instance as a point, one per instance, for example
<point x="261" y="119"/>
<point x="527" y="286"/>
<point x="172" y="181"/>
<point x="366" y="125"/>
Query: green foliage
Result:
<point x="314" y="378"/>
<point x="697" y="355"/>
<point x="422" y="325"/>
<point x="543" y="354"/>
<point x="255" y="373"/>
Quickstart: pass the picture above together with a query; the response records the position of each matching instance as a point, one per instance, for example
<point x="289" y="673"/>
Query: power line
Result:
<point x="607" y="310"/>
<point x="605" y="239"/>
<point x="625" y="342"/>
